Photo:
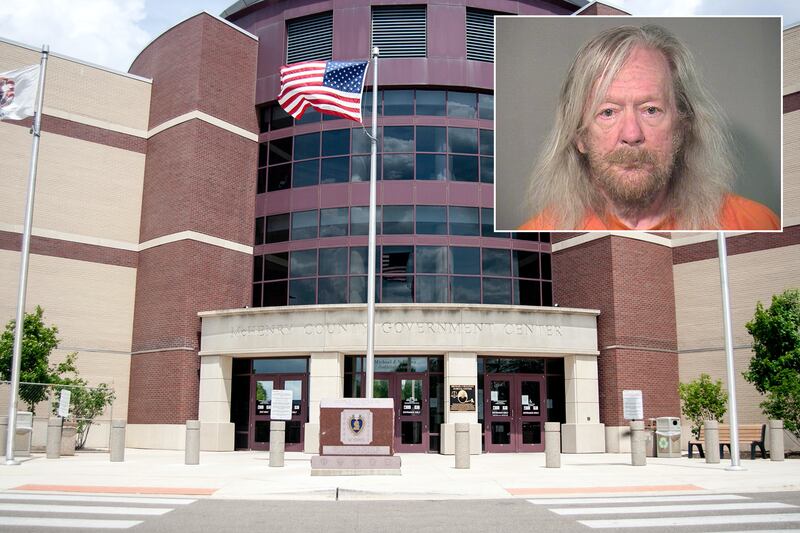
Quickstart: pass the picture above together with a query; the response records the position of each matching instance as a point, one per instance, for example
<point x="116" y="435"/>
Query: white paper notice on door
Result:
<point x="494" y="396"/>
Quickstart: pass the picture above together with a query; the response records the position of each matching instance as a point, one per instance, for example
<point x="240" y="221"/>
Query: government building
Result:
<point x="200" y="248"/>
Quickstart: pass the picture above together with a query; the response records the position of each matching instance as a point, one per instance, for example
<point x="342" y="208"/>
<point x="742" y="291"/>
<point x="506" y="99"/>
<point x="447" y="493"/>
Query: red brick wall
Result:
<point x="166" y="385"/>
<point x="737" y="244"/>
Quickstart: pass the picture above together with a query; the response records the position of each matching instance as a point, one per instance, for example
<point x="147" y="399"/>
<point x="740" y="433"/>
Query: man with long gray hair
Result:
<point x="638" y="144"/>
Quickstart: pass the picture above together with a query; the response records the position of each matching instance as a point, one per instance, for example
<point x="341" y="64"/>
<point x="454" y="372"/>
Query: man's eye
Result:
<point x="607" y="113"/>
<point x="651" y="110"/>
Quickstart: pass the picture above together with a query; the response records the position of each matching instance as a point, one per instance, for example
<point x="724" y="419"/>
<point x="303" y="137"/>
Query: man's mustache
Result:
<point x="631" y="157"/>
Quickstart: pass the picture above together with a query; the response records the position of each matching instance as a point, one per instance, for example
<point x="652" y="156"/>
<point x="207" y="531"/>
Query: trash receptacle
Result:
<point x="668" y="436"/>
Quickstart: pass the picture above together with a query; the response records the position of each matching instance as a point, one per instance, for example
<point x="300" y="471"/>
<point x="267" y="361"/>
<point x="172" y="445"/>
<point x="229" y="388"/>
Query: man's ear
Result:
<point x="579" y="144"/>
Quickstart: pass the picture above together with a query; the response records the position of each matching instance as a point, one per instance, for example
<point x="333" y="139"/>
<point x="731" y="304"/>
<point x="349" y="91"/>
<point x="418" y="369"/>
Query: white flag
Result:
<point x="18" y="92"/>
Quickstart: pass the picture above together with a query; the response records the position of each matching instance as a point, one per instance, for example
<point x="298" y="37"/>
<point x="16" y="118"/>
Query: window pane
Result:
<point x="431" y="139"/>
<point x="398" y="167"/>
<point x="306" y="173"/>
<point x="280" y="151"/>
<point x="366" y="104"/>
<point x="466" y="290"/>
<point x="359" y="220"/>
<point x="496" y="291"/>
<point x="261" y="181"/>
<point x="432" y="259"/>
<point x="464" y="221"/>
<point x="431" y="167"/>
<point x="276" y="266"/>
<point x="335" y="170"/>
<point x="333" y="222"/>
<point x="486" y="103"/>
<point x="487" y="169"/>
<point x="360" y="169"/>
<point x="430" y="103"/>
<point x="462" y="140"/>
<point x="547" y="293"/>
<point x="258" y="268"/>
<point x="527" y="292"/>
<point x="256" y="300"/>
<point x="336" y="142"/>
<point x="332" y="261"/>
<point x="306" y="146"/>
<point x="463" y="167"/>
<point x="461" y="104"/>
<point x="546" y="273"/>
<point x="397" y="220"/>
<point x="259" y="236"/>
<point x="302" y="291"/>
<point x="304" y="225"/>
<point x="310" y="115"/>
<point x="361" y="141"/>
<point x="277" y="228"/>
<point x="263" y="150"/>
<point x="487" y="224"/>
<point x="526" y="264"/>
<point x="398" y="102"/>
<point x="358" y="290"/>
<point x="431" y="220"/>
<point x="398" y="138"/>
<point x="279" y="118"/>
<point x="465" y="260"/>
<point x="332" y="290"/>
<point x="275" y="293"/>
<point x="279" y="177"/>
<point x="487" y="142"/>
<point x="496" y="262"/>
<point x="358" y="260"/>
<point x="303" y="263"/>
<point x="432" y="289"/>
<point x="397" y="260"/>
<point x="397" y="289"/>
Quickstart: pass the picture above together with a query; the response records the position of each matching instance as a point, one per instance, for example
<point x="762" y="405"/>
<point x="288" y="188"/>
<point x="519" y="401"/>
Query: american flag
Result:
<point x="332" y="87"/>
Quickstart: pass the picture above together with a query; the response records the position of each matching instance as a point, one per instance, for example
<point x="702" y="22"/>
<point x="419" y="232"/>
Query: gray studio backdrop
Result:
<point x="739" y="60"/>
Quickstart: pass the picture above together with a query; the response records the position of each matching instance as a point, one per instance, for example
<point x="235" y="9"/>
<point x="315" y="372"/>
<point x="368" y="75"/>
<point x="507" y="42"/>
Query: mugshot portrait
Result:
<point x="634" y="123"/>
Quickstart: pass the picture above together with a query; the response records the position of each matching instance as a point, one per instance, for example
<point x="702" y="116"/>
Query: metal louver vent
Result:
<point x="309" y="38"/>
<point x="399" y="31"/>
<point x="480" y="35"/>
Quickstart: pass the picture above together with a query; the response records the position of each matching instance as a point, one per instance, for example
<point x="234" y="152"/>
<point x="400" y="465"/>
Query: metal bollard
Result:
<point x="552" y="444"/>
<point x="711" y="431"/>
<point x="462" y="445"/>
<point x="192" y="447"/>
<point x="277" y="442"/>
<point x="117" y="441"/>
<point x="54" y="437"/>
<point x="638" y="445"/>
<point x="776" y="440"/>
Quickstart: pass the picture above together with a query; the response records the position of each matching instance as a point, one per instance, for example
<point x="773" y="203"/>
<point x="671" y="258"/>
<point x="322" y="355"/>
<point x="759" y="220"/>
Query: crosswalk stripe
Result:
<point x="82" y="509"/>
<point x="692" y="520"/>
<point x="640" y="499"/>
<point x="754" y="506"/>
<point x="67" y="522"/>
<point x="144" y="500"/>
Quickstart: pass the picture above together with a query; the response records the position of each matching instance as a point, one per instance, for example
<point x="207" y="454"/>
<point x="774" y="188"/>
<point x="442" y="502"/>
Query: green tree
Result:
<point x="775" y="364"/>
<point x="702" y="400"/>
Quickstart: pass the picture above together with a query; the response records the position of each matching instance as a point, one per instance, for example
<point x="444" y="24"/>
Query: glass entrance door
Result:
<point x="261" y="388"/>
<point x="514" y="413"/>
<point x="410" y="395"/>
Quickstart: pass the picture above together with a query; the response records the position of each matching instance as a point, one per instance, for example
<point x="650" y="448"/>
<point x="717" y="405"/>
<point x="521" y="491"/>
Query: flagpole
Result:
<point x="23" y="270"/>
<point x="373" y="173"/>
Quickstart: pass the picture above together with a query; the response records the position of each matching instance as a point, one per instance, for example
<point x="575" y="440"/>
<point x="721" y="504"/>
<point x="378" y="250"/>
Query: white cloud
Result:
<point x="105" y="32"/>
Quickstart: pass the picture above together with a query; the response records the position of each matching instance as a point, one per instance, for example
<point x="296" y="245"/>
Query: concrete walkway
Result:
<point x="247" y="475"/>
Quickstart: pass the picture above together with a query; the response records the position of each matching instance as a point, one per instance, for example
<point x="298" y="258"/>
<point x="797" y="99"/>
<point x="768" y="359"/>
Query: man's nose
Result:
<point x="632" y="133"/>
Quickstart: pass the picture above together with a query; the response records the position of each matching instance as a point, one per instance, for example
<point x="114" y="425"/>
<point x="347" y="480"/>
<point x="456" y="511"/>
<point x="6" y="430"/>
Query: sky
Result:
<point x="111" y="33"/>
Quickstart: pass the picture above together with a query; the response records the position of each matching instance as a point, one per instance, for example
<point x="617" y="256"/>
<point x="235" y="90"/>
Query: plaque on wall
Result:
<point x="462" y="397"/>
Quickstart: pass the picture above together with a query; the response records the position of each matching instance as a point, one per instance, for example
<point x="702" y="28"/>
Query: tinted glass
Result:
<point x="303" y="263"/>
<point x="431" y="167"/>
<point x="547" y="293"/>
<point x="486" y="104"/>
<point x="398" y="138"/>
<point x="463" y="167"/>
<point x="366" y="103"/>
<point x="398" y="102"/>
<point x="359" y="220"/>
<point x="464" y="221"/>
<point x="333" y="222"/>
<point x="280" y="366"/>
<point x="358" y="260"/>
<point x="462" y="105"/>
<point x="261" y="181"/>
<point x="397" y="260"/>
<point x="360" y="168"/>
<point x="432" y="289"/>
<point x="431" y="139"/>
<point x="310" y="115"/>
<point x="487" y="169"/>
<point x="277" y="228"/>
<point x="306" y="173"/>
<point x="332" y="261"/>
<point x="276" y="266"/>
<point x="275" y="293"/>
<point x="335" y="170"/>
<point x="526" y="264"/>
<point x="397" y="219"/>
<point x="487" y="224"/>
<point x="304" y="225"/>
<point x="431" y="220"/>
<point x="280" y="151"/>
<point x="397" y="289"/>
<point x="258" y="290"/>
<point x="306" y="146"/>
<point x="302" y="291"/>
<point x="361" y="141"/>
<point x="432" y="259"/>
<point x="263" y="151"/>
<point x="258" y="268"/>
<point x="332" y="290"/>
<point x="496" y="262"/>
<point x="431" y="103"/>
<point x="487" y="142"/>
<point x="358" y="290"/>
<point x="465" y="260"/>
<point x="259" y="237"/>
<point x="279" y="118"/>
<point x="336" y="142"/>
<point x="398" y="167"/>
<point x="279" y="177"/>
<point x="527" y="292"/>
<point x="465" y="290"/>
<point x="546" y="273"/>
<point x="462" y="140"/>
<point x="496" y="291"/>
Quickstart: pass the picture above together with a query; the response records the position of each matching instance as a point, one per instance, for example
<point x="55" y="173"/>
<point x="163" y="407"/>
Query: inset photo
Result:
<point x="640" y="124"/>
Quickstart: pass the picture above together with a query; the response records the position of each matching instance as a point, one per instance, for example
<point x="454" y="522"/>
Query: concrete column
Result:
<point x="776" y="440"/>
<point x="325" y="381"/>
<point x="214" y="408"/>
<point x="638" y="449"/>
<point x="192" y="448"/>
<point x="583" y="432"/>
<point x="460" y="368"/>
<point x="117" y="441"/>
<point x="552" y="444"/>
<point x="277" y="442"/>
<point x="711" y="445"/>
<point x="54" y="437"/>
<point x="462" y="445"/>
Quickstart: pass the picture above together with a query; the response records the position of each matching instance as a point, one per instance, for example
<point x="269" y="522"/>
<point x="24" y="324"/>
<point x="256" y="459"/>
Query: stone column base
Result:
<point x="583" y="438"/>
<point x="447" y="434"/>
<point x="311" y="438"/>
<point x="618" y="439"/>
<point x="217" y="436"/>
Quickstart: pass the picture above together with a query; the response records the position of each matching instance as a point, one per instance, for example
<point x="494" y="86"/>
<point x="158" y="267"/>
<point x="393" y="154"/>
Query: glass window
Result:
<point x="306" y="173"/>
<point x="263" y="150"/>
<point x="496" y="291"/>
<point x="276" y="266"/>
<point x="258" y="268"/>
<point x="431" y="103"/>
<point x="275" y="293"/>
<point x="487" y="142"/>
<point x="526" y="264"/>
<point x="398" y="138"/>
<point x="332" y="261"/>
<point x="360" y="168"/>
<point x="336" y="142"/>
<point x="397" y="260"/>
<point x="463" y="167"/>
<point x="397" y="289"/>
<point x="487" y="169"/>
<point x="526" y="292"/>
<point x="333" y="222"/>
<point x="464" y="221"/>
<point x="431" y="220"/>
<point x="398" y="102"/>
<point x="303" y="263"/>
<point x="486" y="104"/>
<point x="431" y="139"/>
<point x="366" y="104"/>
<point x="277" y="228"/>
<point x="496" y="262"/>
<point x="332" y="290"/>
<point x="432" y="289"/>
<point x="547" y="293"/>
<point x="304" y="225"/>
<point x="361" y="141"/>
<point x="465" y="290"/>
<point x="279" y="118"/>
<point x="280" y="366"/>
<point x="546" y="273"/>
<point x="257" y="300"/>
<point x="263" y="119"/>
<point x="302" y="291"/>
<point x="306" y="146"/>
<point x="335" y="170"/>
<point x="261" y="180"/>
<point x="432" y="259"/>
<point x="359" y="220"/>
<point x="398" y="167"/>
<point x="487" y="224"/>
<point x="431" y="167"/>
<point x="280" y="150"/>
<point x="310" y="115"/>
<point x="397" y="220"/>
<point x="462" y="140"/>
<point x="279" y="177"/>
<point x="462" y="105"/>
<point x="465" y="260"/>
<point x="259" y="237"/>
<point x="358" y="290"/>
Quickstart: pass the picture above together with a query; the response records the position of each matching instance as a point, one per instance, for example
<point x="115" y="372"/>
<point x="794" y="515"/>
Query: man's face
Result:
<point x="631" y="138"/>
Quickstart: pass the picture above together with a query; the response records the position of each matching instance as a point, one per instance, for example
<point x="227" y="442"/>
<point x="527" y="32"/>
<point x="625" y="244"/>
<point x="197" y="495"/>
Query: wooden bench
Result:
<point x="748" y="433"/>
